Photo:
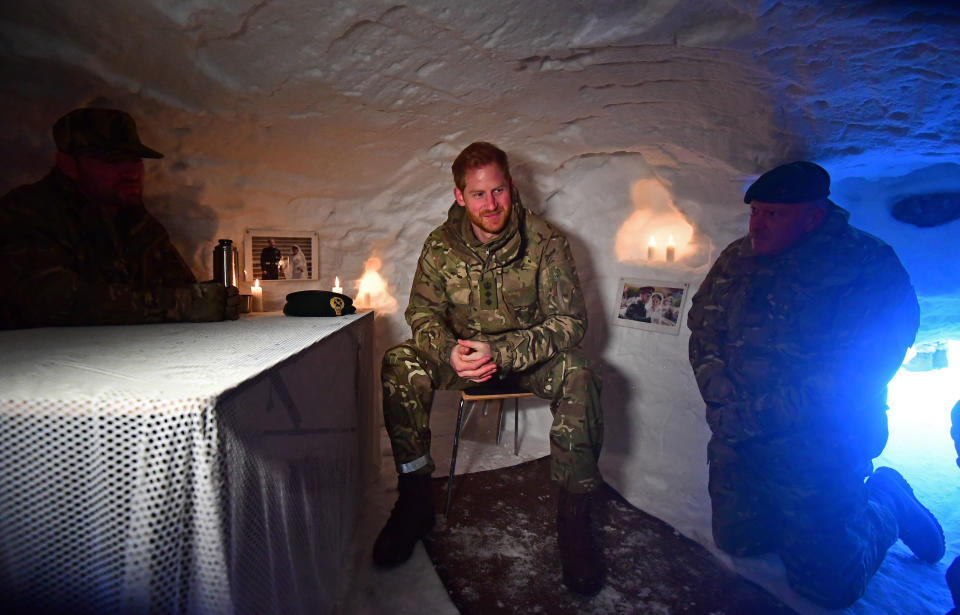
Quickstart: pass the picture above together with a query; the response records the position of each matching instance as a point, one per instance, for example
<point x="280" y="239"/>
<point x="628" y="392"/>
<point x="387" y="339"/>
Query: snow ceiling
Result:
<point x="621" y="117"/>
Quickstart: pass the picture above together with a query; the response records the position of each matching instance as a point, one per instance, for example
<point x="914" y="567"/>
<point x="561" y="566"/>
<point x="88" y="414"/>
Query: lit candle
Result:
<point x="257" y="300"/>
<point x="671" y="250"/>
<point x="651" y="248"/>
<point x="336" y="285"/>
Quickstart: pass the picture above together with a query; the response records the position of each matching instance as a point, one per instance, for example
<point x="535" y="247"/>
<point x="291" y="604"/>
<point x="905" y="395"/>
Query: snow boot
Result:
<point x="580" y="556"/>
<point x="919" y="529"/>
<point x="412" y="517"/>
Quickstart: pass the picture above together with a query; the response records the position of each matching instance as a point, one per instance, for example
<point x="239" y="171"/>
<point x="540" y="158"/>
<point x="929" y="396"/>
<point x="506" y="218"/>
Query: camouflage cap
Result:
<point x="100" y="133"/>
<point x="794" y="182"/>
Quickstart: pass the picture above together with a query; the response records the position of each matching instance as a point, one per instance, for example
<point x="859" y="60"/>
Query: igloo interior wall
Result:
<point x="623" y="120"/>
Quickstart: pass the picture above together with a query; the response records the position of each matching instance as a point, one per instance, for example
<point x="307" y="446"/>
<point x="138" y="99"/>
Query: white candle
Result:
<point x="336" y="285"/>
<point x="671" y="250"/>
<point x="257" y="302"/>
<point x="651" y="248"/>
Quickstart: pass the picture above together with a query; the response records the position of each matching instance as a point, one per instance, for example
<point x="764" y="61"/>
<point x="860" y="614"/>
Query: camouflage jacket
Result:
<point x="519" y="292"/>
<point x="68" y="263"/>
<point x="800" y="346"/>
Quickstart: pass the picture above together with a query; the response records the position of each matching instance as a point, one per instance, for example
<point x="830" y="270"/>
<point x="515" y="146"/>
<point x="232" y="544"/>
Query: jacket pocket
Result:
<point x="520" y="294"/>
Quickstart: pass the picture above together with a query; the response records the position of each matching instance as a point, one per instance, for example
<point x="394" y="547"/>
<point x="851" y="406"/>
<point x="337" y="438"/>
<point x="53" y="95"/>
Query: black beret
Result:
<point x="318" y="303"/>
<point x="794" y="182"/>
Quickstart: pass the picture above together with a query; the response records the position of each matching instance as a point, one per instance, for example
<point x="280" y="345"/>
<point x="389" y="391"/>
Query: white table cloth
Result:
<point x="183" y="468"/>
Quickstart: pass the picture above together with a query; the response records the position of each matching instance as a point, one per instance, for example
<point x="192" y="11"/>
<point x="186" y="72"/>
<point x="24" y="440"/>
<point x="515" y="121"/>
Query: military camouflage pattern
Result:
<point x="803" y="344"/>
<point x="539" y="308"/>
<point x="792" y="354"/>
<point x="533" y="318"/>
<point x="68" y="263"/>
<point x="830" y="537"/>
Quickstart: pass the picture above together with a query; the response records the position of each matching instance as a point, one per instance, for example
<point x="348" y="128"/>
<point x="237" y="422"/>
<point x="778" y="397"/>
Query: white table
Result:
<point x="183" y="468"/>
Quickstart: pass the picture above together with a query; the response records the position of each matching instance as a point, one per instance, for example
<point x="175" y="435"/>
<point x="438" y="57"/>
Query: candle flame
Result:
<point x="654" y="215"/>
<point x="336" y="281"/>
<point x="372" y="292"/>
<point x="670" y="241"/>
<point x="256" y="283"/>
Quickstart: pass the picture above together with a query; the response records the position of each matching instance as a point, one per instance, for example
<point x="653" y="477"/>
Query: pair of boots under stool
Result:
<point x="412" y="518"/>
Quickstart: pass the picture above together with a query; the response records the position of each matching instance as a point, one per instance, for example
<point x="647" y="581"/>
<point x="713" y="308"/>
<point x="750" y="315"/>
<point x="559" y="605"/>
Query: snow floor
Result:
<point x="919" y="447"/>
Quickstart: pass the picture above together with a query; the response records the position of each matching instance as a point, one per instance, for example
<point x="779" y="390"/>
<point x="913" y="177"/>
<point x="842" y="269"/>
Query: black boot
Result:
<point x="919" y="529"/>
<point x="579" y="554"/>
<point x="412" y="517"/>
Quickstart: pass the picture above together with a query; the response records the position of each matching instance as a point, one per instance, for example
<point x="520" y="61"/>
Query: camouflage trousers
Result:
<point x="830" y="536"/>
<point x="569" y="380"/>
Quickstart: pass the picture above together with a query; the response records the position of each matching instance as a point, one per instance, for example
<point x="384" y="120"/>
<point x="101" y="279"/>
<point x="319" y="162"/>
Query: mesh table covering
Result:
<point x="181" y="468"/>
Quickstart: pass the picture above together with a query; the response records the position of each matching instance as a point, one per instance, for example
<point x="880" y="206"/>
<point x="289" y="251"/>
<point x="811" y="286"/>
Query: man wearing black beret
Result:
<point x="796" y="331"/>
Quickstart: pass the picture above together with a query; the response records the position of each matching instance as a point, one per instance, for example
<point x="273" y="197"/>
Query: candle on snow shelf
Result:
<point x="671" y="250"/>
<point x="336" y="286"/>
<point x="651" y="248"/>
<point x="257" y="300"/>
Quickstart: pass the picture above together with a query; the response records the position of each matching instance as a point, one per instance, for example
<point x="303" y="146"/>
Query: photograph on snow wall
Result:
<point x="276" y="254"/>
<point x="651" y="305"/>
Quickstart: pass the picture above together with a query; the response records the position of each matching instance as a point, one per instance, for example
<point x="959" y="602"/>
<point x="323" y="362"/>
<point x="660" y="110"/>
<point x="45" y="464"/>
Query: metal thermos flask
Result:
<point x="226" y="263"/>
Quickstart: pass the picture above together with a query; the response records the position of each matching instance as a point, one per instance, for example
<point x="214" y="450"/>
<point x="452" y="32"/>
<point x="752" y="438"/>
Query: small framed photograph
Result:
<point x="651" y="305"/>
<point x="275" y="254"/>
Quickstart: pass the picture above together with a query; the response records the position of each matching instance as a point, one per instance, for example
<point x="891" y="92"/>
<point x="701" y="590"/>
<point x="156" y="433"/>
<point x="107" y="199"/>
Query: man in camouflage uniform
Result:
<point x="79" y="248"/>
<point x="796" y="332"/>
<point x="495" y="296"/>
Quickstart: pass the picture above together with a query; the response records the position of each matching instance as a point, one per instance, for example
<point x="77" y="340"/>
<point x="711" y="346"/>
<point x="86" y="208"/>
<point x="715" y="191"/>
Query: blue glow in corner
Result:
<point x="919" y="415"/>
<point x="920" y="447"/>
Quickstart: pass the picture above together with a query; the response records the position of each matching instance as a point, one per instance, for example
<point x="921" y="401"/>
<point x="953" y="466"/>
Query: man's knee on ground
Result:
<point x="826" y="585"/>
<point x="735" y="541"/>
<point x="743" y="521"/>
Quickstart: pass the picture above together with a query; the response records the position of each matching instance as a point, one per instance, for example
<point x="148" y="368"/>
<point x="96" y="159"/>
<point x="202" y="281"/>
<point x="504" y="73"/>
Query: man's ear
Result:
<point x="67" y="165"/>
<point x="459" y="196"/>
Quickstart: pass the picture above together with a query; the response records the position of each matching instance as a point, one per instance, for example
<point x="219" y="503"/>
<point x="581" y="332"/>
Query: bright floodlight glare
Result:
<point x="919" y="415"/>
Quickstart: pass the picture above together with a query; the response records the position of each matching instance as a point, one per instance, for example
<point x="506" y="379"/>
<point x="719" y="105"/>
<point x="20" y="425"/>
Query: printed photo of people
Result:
<point x="656" y="305"/>
<point x="282" y="258"/>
